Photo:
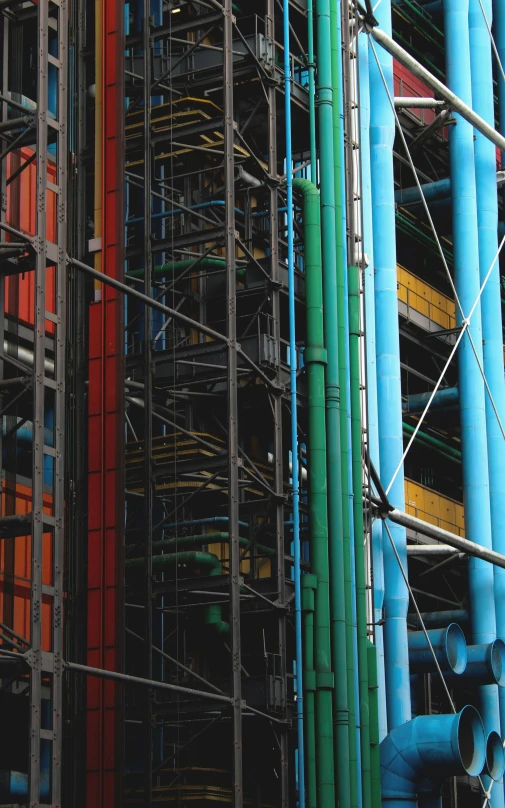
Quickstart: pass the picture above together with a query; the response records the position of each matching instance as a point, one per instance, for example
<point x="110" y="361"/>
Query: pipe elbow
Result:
<point x="449" y="645"/>
<point x="430" y="747"/>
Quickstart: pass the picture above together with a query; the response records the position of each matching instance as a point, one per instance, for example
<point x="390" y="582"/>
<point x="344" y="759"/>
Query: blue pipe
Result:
<point x="294" y="417"/>
<point x="371" y="367"/>
<point x="431" y="191"/>
<point x="396" y="598"/>
<point x="492" y="336"/>
<point x="420" y="754"/>
<point x="486" y="665"/>
<point x="449" y="645"/>
<point x="215" y="203"/>
<point x="471" y="387"/>
<point x="495" y="757"/>
<point x="442" y="398"/>
<point x="443" y="618"/>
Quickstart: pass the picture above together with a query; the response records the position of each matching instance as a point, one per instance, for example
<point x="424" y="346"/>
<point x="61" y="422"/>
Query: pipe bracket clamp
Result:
<point x="315" y="356"/>
<point x="325" y="680"/>
<point x="309" y="681"/>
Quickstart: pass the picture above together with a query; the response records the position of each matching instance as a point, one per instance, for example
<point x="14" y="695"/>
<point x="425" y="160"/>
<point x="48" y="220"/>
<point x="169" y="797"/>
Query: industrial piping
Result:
<point x="293" y="367"/>
<point x="315" y="359"/>
<point x="326" y="793"/>
<point x="430" y="747"/>
<point x="382" y="130"/>
<point x="492" y="335"/>
<point x="471" y="387"/>
<point x="371" y="369"/>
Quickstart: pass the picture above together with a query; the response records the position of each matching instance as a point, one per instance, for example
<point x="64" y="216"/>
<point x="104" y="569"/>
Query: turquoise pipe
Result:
<point x="448" y="644"/>
<point x="446" y="397"/>
<point x="315" y="362"/>
<point x="329" y="246"/>
<point x="471" y="387"/>
<point x="359" y="533"/>
<point x="293" y="369"/>
<point x="396" y="598"/>
<point x="490" y="302"/>
<point x="441" y="189"/>
<point x="196" y="558"/>
<point x="371" y="373"/>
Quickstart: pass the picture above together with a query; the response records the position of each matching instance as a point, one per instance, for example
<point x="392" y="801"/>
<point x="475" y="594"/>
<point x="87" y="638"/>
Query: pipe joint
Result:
<point x="325" y="680"/>
<point x="430" y="746"/>
<point x="449" y="645"/>
<point x="315" y="356"/>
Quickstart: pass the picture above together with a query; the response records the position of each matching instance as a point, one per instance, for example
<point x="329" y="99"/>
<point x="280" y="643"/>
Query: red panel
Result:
<point x="406" y="84"/>
<point x="106" y="446"/>
<point x="19" y="290"/>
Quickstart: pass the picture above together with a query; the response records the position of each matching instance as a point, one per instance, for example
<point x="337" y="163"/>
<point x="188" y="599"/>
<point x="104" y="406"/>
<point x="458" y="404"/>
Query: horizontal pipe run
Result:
<point x="415" y="102"/>
<point x="441" y="618"/>
<point x="431" y="550"/>
<point x="438" y="533"/>
<point x="101" y="673"/>
<point x="449" y="645"/>
<point x="485" y="665"/>
<point x="451" y="98"/>
<point x="442" y="398"/>
<point x="149" y="301"/>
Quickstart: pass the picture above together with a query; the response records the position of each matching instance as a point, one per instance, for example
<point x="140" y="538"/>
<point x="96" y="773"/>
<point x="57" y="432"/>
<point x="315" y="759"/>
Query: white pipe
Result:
<point x="451" y="98"/>
<point x="418" y="102"/>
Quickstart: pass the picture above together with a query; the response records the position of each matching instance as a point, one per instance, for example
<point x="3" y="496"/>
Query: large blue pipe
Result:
<point x="294" y="417"/>
<point x="499" y="38"/>
<point x="446" y="397"/>
<point x="487" y="216"/>
<point x="419" y="755"/>
<point x="396" y="599"/>
<point x="431" y="192"/>
<point x="471" y="386"/>
<point x="371" y="367"/>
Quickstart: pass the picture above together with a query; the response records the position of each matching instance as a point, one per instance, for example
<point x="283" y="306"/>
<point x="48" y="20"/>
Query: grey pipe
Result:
<point x="405" y="101"/>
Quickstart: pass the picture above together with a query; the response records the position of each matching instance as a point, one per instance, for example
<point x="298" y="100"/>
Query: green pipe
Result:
<point x="176" y="266"/>
<point x="315" y="361"/>
<point x="312" y="90"/>
<point x="429" y="440"/>
<point x="197" y="558"/>
<point x="309" y="586"/>
<point x="329" y="253"/>
<point x="373" y="689"/>
<point x="359" y="532"/>
<point x="336" y="79"/>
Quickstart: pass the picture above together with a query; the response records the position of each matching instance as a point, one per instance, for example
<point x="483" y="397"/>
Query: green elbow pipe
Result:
<point x="195" y="558"/>
<point x="429" y="440"/>
<point x="315" y="362"/>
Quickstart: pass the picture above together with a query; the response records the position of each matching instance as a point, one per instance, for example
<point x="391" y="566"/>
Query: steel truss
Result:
<point x="37" y="662"/>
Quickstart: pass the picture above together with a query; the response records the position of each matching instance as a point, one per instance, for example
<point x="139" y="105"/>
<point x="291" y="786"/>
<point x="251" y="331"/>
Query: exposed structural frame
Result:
<point x="47" y="380"/>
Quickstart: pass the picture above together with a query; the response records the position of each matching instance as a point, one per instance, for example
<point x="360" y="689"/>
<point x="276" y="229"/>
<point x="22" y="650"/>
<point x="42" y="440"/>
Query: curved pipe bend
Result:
<point x="430" y="748"/>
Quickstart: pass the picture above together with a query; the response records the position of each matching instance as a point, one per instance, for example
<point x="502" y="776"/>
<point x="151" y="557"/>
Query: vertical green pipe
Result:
<point x="373" y="690"/>
<point x="315" y="361"/>
<point x="359" y="532"/>
<point x="329" y="251"/>
<point x="312" y="90"/>
<point x="336" y="80"/>
<point x="309" y="586"/>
